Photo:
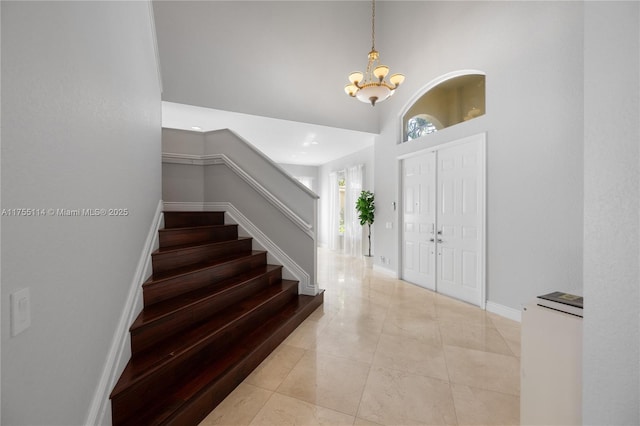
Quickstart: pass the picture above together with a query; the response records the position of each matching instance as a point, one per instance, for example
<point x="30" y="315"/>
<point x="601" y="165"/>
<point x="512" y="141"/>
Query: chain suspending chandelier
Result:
<point x="371" y="87"/>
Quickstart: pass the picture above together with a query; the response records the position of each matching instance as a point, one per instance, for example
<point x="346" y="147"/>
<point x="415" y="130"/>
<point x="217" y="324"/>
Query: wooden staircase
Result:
<point x="213" y="310"/>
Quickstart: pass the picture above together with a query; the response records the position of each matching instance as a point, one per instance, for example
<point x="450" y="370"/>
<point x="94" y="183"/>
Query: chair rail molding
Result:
<point x="222" y="159"/>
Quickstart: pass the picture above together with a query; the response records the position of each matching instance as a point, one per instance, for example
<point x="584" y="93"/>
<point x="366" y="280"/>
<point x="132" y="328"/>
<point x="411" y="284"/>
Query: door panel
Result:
<point x="419" y="196"/>
<point x="460" y="172"/>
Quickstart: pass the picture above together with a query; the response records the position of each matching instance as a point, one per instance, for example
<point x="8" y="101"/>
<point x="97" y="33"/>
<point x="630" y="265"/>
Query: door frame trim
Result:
<point x="481" y="138"/>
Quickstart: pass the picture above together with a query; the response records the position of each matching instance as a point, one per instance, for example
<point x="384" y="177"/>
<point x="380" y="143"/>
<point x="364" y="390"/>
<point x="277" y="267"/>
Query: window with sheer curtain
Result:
<point x="334" y="211"/>
<point x="353" y="229"/>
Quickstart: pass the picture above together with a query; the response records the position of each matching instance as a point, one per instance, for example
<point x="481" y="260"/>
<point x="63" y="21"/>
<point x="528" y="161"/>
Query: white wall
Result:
<point x="298" y="170"/>
<point x="81" y="129"/>
<point x="365" y="157"/>
<point x="531" y="53"/>
<point x="611" y="378"/>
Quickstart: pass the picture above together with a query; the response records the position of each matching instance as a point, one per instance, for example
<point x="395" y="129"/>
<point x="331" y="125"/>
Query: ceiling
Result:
<point x="285" y="142"/>
<point x="285" y="60"/>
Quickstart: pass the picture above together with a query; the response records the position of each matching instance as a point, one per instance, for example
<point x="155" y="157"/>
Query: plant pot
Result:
<point x="368" y="261"/>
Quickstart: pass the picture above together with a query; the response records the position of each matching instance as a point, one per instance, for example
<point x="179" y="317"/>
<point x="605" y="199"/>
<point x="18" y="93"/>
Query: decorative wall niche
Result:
<point x="452" y="101"/>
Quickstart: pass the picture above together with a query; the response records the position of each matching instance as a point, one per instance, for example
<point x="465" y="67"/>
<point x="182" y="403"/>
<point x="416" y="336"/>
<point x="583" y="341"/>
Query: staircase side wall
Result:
<point x="214" y="168"/>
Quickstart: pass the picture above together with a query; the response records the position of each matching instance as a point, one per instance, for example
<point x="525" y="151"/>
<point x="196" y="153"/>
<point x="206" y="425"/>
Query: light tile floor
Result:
<point x="381" y="351"/>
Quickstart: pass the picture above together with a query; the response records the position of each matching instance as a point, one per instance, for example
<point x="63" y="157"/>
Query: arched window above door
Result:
<point x="446" y="103"/>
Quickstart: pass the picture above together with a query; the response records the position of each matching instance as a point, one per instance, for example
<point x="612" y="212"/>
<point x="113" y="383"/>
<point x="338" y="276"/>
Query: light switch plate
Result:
<point x="20" y="311"/>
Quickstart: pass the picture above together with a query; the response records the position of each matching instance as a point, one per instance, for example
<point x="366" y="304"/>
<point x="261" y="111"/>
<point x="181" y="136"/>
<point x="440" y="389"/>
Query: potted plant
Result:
<point x="366" y="210"/>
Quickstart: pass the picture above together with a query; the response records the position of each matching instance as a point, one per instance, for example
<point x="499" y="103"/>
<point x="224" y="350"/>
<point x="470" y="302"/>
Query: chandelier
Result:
<point x="371" y="87"/>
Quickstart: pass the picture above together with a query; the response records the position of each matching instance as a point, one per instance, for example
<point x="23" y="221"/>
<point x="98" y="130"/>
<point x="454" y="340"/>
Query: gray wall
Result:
<point x="80" y="129"/>
<point x="534" y="125"/>
<point x="611" y="362"/>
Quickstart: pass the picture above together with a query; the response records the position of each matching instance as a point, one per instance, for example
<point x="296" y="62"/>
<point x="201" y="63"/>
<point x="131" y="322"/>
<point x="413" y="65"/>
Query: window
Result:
<point x="452" y="101"/>
<point x="420" y="125"/>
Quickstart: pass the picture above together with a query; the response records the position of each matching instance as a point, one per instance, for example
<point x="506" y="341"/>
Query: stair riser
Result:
<point x="195" y="410"/>
<point x="178" y="236"/>
<point x="166" y="262"/>
<point x="146" y="336"/>
<point x="128" y="402"/>
<point x="188" y="219"/>
<point x="245" y="326"/>
<point x="171" y="287"/>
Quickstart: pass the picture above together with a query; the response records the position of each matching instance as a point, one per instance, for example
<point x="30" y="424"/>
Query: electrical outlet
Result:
<point x="20" y="311"/>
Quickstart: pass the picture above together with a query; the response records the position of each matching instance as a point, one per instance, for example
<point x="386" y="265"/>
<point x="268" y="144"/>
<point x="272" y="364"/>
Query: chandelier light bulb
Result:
<point x="355" y="77"/>
<point x="396" y="79"/>
<point x="350" y="89"/>
<point x="381" y="72"/>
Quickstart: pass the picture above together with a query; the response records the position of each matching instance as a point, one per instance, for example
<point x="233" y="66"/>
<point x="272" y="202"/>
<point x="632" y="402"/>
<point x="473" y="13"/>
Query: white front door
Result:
<point x="443" y="219"/>
<point x="460" y="217"/>
<point x="419" y="222"/>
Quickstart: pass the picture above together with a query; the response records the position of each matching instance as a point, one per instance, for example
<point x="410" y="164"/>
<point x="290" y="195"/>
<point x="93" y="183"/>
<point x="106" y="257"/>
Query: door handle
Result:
<point x="439" y="240"/>
<point x="431" y="240"/>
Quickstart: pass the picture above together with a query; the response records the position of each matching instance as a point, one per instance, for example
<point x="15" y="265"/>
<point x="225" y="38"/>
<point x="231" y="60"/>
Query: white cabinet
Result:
<point x="551" y="367"/>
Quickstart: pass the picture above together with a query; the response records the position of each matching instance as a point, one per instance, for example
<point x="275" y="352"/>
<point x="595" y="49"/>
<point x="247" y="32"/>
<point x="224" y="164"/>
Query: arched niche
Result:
<point x="446" y="101"/>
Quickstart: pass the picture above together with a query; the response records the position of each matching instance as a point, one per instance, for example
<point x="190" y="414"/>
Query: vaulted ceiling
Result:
<point x="287" y="60"/>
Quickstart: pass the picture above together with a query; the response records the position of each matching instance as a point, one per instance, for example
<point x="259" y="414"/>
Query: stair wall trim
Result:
<point x="305" y="286"/>
<point x="120" y="348"/>
<point x="222" y="159"/>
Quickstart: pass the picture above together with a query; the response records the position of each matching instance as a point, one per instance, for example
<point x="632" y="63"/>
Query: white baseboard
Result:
<point x="120" y="349"/>
<point x="184" y="206"/>
<point x="504" y="311"/>
<point x="386" y="271"/>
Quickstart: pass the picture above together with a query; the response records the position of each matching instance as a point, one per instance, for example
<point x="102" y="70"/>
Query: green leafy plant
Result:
<point x="366" y="210"/>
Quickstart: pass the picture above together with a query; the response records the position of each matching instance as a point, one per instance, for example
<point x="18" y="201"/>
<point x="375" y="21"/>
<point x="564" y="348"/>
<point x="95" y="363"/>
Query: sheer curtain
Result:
<point x="353" y="229"/>
<point x="334" y="211"/>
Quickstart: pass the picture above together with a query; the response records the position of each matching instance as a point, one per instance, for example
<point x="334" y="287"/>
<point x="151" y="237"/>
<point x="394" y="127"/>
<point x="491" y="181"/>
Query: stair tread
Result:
<point x="165" y="308"/>
<point x="150" y="360"/>
<point x="184" y="247"/>
<point x="196" y="234"/>
<point x="205" y="376"/>
<point x="189" y="228"/>
<point x="197" y="267"/>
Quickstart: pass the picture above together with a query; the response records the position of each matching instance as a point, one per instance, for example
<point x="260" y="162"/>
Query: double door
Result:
<point x="443" y="219"/>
